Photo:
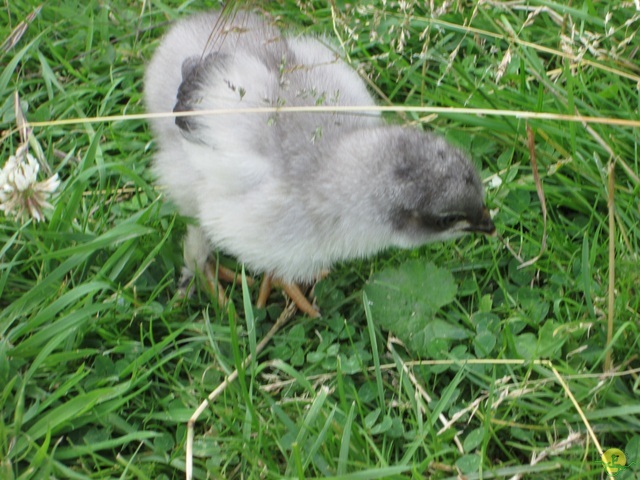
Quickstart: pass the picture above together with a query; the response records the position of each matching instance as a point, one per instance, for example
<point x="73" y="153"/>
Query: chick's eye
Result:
<point x="450" y="220"/>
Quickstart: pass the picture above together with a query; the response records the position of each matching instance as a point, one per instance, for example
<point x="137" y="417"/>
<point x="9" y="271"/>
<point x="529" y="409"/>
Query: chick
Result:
<point x="290" y="194"/>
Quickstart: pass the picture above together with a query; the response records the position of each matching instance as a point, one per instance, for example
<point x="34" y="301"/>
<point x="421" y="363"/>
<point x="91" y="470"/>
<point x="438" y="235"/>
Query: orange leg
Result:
<point x="292" y="290"/>
<point x="214" y="285"/>
<point x="230" y="276"/>
<point x="297" y="297"/>
<point x="265" y="290"/>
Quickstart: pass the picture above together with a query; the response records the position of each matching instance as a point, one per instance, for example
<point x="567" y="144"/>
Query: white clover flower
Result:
<point x="21" y="195"/>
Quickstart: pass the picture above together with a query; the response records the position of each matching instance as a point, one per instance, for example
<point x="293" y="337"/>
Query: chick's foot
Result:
<point x="292" y="290"/>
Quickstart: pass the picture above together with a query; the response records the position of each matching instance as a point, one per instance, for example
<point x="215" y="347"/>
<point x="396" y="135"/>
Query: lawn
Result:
<point x="510" y="357"/>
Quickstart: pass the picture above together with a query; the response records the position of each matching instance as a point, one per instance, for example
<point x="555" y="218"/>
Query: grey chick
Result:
<point x="291" y="194"/>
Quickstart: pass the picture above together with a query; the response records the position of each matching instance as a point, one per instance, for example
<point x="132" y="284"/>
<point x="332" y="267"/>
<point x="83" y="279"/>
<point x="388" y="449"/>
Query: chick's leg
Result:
<point x="291" y="289"/>
<point x="297" y="297"/>
<point x="196" y="249"/>
<point x="265" y="291"/>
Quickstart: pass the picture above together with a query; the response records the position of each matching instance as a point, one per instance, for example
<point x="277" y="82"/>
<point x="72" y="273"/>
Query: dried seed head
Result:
<point x="21" y="195"/>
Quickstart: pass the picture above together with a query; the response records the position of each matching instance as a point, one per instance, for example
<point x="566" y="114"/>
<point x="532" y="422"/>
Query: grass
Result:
<point x="102" y="365"/>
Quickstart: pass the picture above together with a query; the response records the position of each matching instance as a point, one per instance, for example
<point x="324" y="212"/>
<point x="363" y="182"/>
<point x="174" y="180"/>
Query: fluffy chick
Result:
<point x="291" y="194"/>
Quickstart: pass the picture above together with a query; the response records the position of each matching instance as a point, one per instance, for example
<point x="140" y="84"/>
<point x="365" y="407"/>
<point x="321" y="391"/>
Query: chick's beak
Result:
<point x="484" y="224"/>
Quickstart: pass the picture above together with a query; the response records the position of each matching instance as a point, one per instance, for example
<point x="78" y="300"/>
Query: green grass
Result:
<point x="102" y="365"/>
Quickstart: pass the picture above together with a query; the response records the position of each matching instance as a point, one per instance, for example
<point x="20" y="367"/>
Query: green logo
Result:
<point x="614" y="462"/>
